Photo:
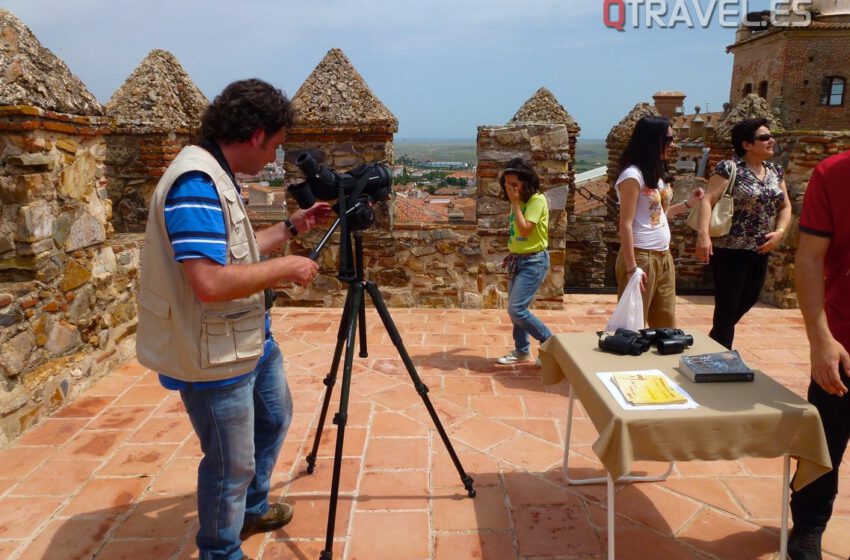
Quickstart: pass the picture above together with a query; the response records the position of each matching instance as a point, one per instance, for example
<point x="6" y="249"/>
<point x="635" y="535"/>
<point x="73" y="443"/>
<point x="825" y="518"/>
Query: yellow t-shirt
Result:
<point x="536" y="211"/>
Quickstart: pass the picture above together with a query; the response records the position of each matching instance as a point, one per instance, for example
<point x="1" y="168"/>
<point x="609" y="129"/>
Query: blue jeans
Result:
<point x="241" y="428"/>
<point x="529" y="272"/>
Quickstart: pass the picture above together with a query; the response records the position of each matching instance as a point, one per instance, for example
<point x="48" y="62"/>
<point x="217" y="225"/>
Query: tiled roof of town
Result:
<point x="158" y="94"/>
<point x="752" y="106"/>
<point x="335" y="95"/>
<point x="543" y="107"/>
<point x="425" y="211"/>
<point x="589" y="195"/>
<point x="623" y="130"/>
<point x="683" y="125"/>
<point x="32" y="75"/>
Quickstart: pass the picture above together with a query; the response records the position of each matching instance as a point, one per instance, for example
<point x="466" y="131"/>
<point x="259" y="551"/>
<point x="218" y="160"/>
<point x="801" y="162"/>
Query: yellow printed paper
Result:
<point x="647" y="389"/>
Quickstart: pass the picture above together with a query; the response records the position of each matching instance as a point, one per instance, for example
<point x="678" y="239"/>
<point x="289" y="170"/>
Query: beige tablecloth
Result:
<point x="733" y="421"/>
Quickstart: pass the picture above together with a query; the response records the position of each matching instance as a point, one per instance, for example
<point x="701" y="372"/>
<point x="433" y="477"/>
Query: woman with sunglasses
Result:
<point x="528" y="259"/>
<point x="644" y="199"/>
<point x="761" y="216"/>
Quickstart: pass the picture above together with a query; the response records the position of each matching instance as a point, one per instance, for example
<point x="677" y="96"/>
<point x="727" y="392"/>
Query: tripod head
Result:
<point x="355" y="192"/>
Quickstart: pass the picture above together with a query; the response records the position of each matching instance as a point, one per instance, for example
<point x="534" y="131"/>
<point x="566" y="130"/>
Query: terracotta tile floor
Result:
<point x="112" y="475"/>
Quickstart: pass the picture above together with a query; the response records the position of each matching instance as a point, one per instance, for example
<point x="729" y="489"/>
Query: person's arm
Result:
<point x="716" y="186"/>
<point x="629" y="192"/>
<point x="783" y="220"/>
<point x="211" y="281"/>
<point x="686" y="205"/>
<point x="826" y="352"/>
<point x="523" y="226"/>
<point x="278" y="235"/>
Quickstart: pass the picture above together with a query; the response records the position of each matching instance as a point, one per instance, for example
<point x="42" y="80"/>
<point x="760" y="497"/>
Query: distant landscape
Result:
<point x="590" y="153"/>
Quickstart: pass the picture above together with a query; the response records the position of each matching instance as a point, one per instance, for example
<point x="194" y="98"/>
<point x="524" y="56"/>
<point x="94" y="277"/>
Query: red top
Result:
<point x="826" y="213"/>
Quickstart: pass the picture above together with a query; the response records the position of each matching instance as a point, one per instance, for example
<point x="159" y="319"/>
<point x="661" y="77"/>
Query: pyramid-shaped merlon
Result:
<point x="752" y="106"/>
<point x="335" y="95"/>
<point x="622" y="131"/>
<point x="543" y="107"/>
<point x="158" y="94"/>
<point x="32" y="75"/>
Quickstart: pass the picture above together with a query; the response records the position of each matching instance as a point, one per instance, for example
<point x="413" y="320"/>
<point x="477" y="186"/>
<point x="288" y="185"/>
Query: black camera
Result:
<point x="668" y="340"/>
<point x="361" y="186"/>
<point x="623" y="342"/>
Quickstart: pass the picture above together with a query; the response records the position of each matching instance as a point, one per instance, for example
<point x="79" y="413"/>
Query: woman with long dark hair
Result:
<point x="644" y="198"/>
<point x="762" y="214"/>
<point x="528" y="261"/>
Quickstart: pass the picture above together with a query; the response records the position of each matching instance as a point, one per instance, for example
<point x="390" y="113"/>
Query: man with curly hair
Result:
<point x="204" y="324"/>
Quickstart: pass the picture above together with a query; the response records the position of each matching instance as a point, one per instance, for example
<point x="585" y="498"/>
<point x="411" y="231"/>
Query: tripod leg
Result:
<point x="421" y="388"/>
<point x="341" y="417"/>
<point x="364" y="351"/>
<point x="330" y="381"/>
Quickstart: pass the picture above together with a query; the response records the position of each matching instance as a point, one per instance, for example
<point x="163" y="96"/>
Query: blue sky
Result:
<point x="443" y="67"/>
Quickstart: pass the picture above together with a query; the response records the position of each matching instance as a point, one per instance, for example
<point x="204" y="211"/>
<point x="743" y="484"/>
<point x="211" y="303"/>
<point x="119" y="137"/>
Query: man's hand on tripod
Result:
<point x="305" y="219"/>
<point x="300" y="270"/>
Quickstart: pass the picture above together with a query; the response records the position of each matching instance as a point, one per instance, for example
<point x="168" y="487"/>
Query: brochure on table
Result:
<point x="607" y="378"/>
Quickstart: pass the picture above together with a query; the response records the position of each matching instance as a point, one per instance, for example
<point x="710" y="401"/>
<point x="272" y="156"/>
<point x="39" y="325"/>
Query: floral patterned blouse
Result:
<point x="756" y="202"/>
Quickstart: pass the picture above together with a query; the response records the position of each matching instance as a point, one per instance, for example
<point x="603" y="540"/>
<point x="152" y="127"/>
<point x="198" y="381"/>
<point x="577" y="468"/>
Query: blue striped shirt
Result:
<point x="194" y="219"/>
<point x="195" y="224"/>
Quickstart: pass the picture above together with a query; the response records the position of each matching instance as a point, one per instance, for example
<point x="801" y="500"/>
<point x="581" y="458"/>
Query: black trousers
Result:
<point x="811" y="506"/>
<point x="738" y="279"/>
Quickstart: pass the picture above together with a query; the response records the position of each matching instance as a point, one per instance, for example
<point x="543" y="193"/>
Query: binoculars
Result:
<point x="635" y="343"/>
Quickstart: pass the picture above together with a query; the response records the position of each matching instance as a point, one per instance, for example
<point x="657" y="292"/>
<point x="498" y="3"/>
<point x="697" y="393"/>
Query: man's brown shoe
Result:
<point x="277" y="516"/>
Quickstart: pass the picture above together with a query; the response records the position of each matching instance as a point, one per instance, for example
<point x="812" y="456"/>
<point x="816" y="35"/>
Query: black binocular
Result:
<point x="635" y="343"/>
<point x="667" y="340"/>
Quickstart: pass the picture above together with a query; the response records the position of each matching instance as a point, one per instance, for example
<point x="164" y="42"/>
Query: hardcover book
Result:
<point x="715" y="367"/>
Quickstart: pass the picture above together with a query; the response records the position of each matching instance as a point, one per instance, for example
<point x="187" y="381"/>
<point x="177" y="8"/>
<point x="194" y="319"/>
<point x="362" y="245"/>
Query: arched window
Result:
<point x="832" y="91"/>
<point x="763" y="89"/>
<point x="748" y="89"/>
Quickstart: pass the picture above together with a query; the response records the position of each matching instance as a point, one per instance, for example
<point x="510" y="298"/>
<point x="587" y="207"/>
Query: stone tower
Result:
<point x="539" y="132"/>
<point x="157" y="111"/>
<point x="801" y="71"/>
<point x="339" y="118"/>
<point x="343" y="124"/>
<point x="66" y="284"/>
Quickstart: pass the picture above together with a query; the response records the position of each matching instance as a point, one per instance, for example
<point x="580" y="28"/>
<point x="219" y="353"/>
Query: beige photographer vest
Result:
<point x="178" y="335"/>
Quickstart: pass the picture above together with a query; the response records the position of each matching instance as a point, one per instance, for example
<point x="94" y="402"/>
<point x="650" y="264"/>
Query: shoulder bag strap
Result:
<point x="733" y="174"/>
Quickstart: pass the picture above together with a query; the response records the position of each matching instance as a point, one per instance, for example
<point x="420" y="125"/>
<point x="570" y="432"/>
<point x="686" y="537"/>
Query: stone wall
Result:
<point x="801" y="152"/>
<point x="413" y="266"/>
<point x="135" y="160"/>
<point x="341" y="152"/>
<point x="67" y="288"/>
<point x="547" y="147"/>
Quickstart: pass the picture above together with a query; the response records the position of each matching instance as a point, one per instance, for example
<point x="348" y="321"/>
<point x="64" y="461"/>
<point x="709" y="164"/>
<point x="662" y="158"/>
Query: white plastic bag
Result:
<point x="629" y="311"/>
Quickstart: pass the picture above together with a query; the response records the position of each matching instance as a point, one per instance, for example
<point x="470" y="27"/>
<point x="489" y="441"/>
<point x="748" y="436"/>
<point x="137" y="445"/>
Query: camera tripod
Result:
<point x="354" y="312"/>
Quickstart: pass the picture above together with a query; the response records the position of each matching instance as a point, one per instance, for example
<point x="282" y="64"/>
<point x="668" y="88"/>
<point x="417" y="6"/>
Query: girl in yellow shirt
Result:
<point x="528" y="261"/>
